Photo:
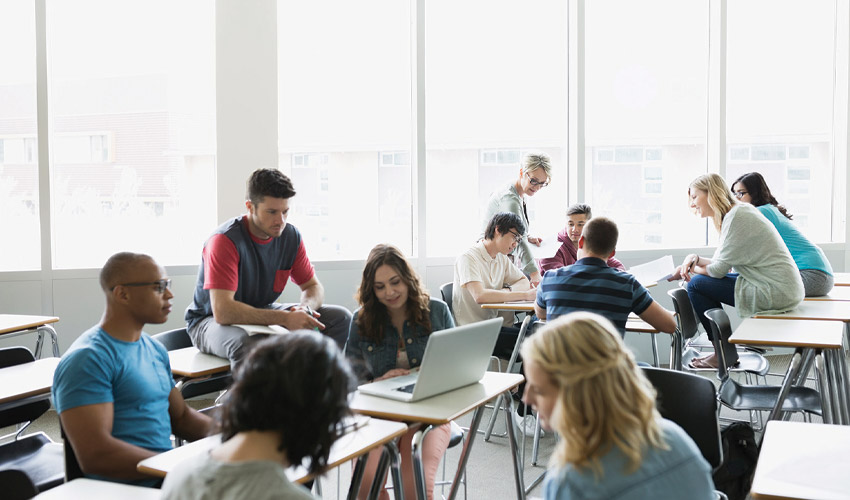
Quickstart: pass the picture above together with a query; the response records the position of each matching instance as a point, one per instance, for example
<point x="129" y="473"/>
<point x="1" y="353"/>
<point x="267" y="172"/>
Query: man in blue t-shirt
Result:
<point x="113" y="388"/>
<point x="590" y="285"/>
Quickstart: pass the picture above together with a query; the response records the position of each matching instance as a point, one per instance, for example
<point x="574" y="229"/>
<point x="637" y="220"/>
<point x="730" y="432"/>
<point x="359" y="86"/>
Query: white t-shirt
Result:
<point x="476" y="265"/>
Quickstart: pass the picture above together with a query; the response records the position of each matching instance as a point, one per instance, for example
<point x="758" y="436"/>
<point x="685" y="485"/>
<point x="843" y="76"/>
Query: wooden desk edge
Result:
<point x="30" y="326"/>
<point x="202" y="373"/>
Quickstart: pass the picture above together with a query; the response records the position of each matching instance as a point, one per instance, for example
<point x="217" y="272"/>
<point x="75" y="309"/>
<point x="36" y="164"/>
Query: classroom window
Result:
<point x="790" y="139"/>
<point x="475" y="134"/>
<point x="134" y="171"/>
<point x="19" y="196"/>
<point x="646" y="113"/>
<point x="345" y="95"/>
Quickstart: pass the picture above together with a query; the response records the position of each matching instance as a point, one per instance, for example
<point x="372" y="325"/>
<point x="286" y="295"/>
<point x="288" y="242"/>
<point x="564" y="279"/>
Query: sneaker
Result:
<point x="525" y="425"/>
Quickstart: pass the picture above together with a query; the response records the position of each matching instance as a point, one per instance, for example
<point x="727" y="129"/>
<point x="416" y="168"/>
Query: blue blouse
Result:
<point x="371" y="359"/>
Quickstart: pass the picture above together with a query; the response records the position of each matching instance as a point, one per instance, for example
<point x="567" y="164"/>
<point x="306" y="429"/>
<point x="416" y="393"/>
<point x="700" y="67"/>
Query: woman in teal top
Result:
<point x="810" y="259"/>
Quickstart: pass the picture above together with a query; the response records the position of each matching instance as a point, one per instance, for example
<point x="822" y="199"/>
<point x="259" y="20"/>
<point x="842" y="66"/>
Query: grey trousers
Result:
<point x="234" y="343"/>
<point x="816" y="283"/>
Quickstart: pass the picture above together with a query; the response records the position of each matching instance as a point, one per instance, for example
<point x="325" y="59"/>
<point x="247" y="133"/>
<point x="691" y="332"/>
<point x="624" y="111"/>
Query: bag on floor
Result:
<point x="740" y="455"/>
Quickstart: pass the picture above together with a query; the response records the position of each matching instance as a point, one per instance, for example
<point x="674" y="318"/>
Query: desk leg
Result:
<point x="676" y="346"/>
<point x="418" y="468"/>
<point x="837" y="373"/>
<point x="518" y="478"/>
<point x="467" y="446"/>
<point x="790" y="376"/>
<point x="654" y="350"/>
<point x="357" y="477"/>
<point x="523" y="330"/>
<point x="40" y="341"/>
<point x="825" y="389"/>
<point x="395" y="469"/>
<point x="378" y="482"/>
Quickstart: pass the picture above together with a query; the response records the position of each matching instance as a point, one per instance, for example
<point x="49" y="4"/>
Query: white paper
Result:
<point x="547" y="249"/>
<point x="269" y="330"/>
<point x="654" y="271"/>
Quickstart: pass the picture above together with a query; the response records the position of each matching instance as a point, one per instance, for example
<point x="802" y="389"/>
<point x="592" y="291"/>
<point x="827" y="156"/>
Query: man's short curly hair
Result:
<point x="296" y="384"/>
<point x="268" y="182"/>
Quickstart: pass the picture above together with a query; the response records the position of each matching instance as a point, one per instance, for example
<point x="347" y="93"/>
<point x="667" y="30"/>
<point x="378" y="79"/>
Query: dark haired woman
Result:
<point x="810" y="259"/>
<point x="388" y="337"/>
<point x="286" y="404"/>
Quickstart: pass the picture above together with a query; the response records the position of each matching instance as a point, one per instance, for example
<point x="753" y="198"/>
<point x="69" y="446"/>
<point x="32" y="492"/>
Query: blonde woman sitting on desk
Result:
<point x="387" y="338"/>
<point x="585" y="385"/>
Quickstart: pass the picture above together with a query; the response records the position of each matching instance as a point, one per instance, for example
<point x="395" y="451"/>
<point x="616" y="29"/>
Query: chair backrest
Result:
<point x="12" y="356"/>
<point x="446" y="291"/>
<point x="685" y="315"/>
<point x="174" y="339"/>
<point x="691" y="402"/>
<point x="17" y="485"/>
<point x="72" y="465"/>
<point x="722" y="329"/>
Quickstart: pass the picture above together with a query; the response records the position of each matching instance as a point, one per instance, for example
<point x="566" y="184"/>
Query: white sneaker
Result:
<point x="525" y="425"/>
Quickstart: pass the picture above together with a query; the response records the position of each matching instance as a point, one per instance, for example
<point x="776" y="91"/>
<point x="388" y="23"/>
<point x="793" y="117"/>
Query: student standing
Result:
<point x="815" y="270"/>
<point x="388" y="336"/>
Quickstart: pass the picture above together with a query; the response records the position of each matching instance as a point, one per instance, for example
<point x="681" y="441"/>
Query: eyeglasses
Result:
<point x="517" y="236"/>
<point x="535" y="182"/>
<point x="739" y="194"/>
<point x="161" y="285"/>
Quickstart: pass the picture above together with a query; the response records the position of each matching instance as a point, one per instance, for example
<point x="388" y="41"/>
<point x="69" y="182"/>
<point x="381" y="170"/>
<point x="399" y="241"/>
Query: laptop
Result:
<point x="453" y="358"/>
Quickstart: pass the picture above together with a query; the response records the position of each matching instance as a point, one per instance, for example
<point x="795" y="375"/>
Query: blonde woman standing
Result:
<point x="585" y="385"/>
<point x="765" y="278"/>
<point x="534" y="175"/>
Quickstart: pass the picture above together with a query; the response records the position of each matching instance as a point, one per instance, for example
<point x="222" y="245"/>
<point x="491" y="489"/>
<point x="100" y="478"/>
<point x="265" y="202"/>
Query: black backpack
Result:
<point x="740" y="455"/>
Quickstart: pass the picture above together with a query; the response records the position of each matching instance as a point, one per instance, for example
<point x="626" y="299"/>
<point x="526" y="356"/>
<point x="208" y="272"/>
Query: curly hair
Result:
<point x="297" y="385"/>
<point x="373" y="315"/>
<point x="268" y="182"/>
<point x="759" y="192"/>
<point x="604" y="399"/>
<point x="719" y="197"/>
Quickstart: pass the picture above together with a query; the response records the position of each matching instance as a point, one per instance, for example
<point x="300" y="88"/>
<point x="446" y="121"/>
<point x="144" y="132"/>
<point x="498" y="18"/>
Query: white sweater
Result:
<point x="769" y="280"/>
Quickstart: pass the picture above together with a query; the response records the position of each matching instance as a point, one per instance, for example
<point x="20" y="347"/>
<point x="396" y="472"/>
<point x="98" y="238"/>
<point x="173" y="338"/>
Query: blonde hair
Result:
<point x="604" y="399"/>
<point x="719" y="198"/>
<point x="533" y="161"/>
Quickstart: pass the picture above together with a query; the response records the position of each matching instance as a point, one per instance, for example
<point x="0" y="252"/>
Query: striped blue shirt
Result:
<point x="590" y="285"/>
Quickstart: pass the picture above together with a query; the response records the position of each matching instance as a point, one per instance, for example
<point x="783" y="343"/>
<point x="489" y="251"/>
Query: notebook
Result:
<point x="453" y="358"/>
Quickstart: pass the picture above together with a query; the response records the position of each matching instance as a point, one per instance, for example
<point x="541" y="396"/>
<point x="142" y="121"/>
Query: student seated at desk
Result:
<point x="577" y="217"/>
<point x="113" y="388"/>
<point x="286" y="404"/>
<point x="387" y="338"/>
<point x="591" y="285"/>
<point x="585" y="385"/>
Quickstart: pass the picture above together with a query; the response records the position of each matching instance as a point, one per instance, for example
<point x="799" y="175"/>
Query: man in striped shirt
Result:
<point x="590" y="285"/>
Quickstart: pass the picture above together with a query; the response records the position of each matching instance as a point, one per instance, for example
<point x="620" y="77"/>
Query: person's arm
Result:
<point x="659" y="318"/>
<point x="540" y="311"/>
<point x="186" y="422"/>
<point x="693" y="264"/>
<point x="488" y="296"/>
<point x="89" y="428"/>
<point x="229" y="311"/>
<point x="312" y="294"/>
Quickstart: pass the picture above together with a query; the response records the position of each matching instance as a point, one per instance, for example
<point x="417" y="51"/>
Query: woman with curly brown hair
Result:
<point x="388" y="336"/>
<point x="586" y="386"/>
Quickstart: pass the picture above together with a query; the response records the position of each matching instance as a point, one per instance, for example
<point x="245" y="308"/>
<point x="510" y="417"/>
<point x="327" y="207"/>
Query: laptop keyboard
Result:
<point x="406" y="388"/>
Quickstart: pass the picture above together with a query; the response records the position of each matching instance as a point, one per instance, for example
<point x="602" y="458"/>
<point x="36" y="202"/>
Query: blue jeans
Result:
<point x="708" y="293"/>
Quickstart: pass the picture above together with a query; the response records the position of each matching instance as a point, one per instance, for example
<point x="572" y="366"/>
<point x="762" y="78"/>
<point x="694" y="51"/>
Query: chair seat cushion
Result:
<point x="41" y="459"/>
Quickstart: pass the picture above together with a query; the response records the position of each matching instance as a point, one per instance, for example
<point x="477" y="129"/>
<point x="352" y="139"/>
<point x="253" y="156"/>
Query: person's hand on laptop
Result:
<point x="395" y="372"/>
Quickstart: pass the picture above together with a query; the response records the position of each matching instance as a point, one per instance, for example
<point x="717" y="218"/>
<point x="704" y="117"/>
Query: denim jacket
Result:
<point x="371" y="359"/>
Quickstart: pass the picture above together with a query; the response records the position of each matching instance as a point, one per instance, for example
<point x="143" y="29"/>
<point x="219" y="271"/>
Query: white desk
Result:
<point x="12" y="325"/>
<point x="841" y="279"/>
<point x="443" y="409"/>
<point x="840" y="293"/>
<point x="803" y="461"/>
<point x="90" y="489"/>
<point x="191" y="363"/>
<point x="27" y="382"/>
<point x="352" y="445"/>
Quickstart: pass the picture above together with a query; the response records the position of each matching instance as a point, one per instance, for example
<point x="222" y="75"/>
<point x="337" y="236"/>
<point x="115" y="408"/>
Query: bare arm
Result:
<point x="89" y="428"/>
<point x="229" y="311"/>
<point x="660" y="318"/>
<point x="693" y="264"/>
<point x="186" y="422"/>
<point x="487" y="296"/>
<point x="539" y="311"/>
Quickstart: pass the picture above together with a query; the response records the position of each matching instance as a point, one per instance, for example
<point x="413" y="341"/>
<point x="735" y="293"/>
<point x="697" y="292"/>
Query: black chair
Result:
<point x="36" y="455"/>
<point x="179" y="339"/>
<point x="754" y="397"/>
<point x="749" y="361"/>
<point x="690" y="401"/>
<point x="446" y="291"/>
<point x="16" y="485"/>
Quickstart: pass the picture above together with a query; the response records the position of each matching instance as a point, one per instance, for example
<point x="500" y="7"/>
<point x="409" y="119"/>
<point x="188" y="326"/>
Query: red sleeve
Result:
<point x="221" y="264"/>
<point x="302" y="269"/>
<point x="616" y="264"/>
